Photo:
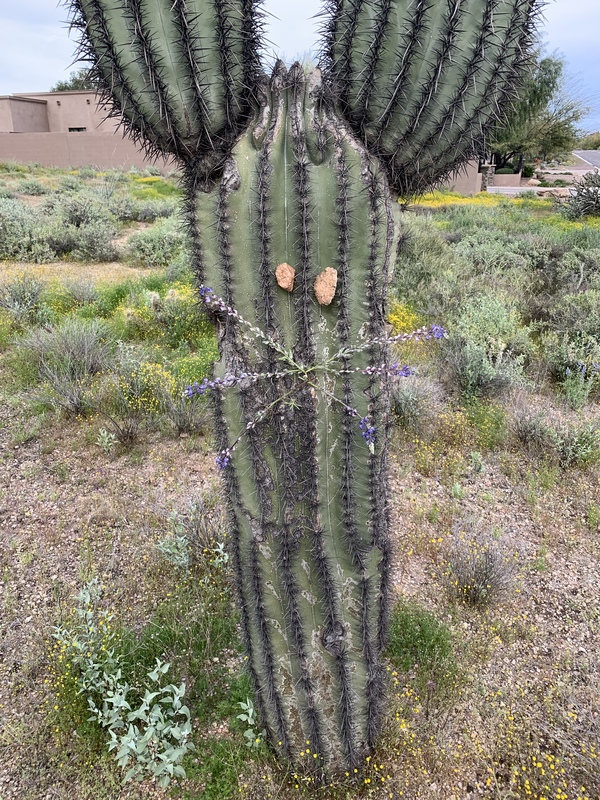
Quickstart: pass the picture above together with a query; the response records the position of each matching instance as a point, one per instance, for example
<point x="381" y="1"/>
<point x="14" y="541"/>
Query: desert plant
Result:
<point x="288" y="201"/>
<point x="480" y="570"/>
<point x="584" y="200"/>
<point x="579" y="446"/>
<point x="487" y="348"/>
<point x="67" y="356"/>
<point x="157" y="246"/>
<point x="32" y="187"/>
<point x="149" y="738"/>
<point x="22" y="298"/>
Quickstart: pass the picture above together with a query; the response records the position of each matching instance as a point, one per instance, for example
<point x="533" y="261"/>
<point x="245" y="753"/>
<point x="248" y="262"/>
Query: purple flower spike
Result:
<point x="368" y="431"/>
<point x="223" y="459"/>
<point x="401" y="372"/>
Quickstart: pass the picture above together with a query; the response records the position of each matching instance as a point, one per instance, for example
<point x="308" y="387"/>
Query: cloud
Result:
<point x="34" y="55"/>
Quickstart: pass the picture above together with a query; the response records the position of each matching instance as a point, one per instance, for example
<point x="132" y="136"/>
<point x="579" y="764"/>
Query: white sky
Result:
<point x="36" y="51"/>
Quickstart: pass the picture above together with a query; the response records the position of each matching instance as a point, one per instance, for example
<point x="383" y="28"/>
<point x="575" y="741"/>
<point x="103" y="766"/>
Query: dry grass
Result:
<point x="64" y="271"/>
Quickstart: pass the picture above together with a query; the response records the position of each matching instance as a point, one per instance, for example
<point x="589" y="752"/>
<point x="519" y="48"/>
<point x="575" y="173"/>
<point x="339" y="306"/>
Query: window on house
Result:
<point x="76" y="130"/>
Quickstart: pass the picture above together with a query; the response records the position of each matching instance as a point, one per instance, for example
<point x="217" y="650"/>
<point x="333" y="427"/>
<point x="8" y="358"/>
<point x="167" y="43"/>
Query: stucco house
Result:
<point x="64" y="129"/>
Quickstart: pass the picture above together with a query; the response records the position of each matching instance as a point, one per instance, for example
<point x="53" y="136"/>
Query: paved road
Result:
<point x="591" y="156"/>
<point x="510" y="190"/>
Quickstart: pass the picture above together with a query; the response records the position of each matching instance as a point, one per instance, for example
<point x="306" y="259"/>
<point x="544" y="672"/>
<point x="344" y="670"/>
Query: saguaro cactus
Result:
<point x="292" y="221"/>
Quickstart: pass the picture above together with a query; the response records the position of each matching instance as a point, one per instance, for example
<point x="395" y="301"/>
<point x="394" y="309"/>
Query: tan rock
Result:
<point x="285" y="276"/>
<point x="325" y="285"/>
<point x="533" y="182"/>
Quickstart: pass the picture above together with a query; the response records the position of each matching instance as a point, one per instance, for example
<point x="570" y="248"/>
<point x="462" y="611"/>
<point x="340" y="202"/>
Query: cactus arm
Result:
<point x="495" y="63"/>
<point x="425" y="79"/>
<point x="183" y="74"/>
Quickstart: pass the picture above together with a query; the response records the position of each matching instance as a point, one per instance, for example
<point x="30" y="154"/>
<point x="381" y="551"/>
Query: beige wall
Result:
<point x="29" y="115"/>
<point x="506" y="180"/>
<point x="102" y="150"/>
<point x="466" y="181"/>
<point x="74" y="110"/>
<point x="22" y="114"/>
<point x="5" y="114"/>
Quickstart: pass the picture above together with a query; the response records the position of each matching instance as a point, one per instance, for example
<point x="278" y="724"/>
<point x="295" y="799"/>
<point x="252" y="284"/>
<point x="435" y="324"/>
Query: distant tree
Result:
<point x="589" y="142"/>
<point x="79" y="80"/>
<point x="544" y="121"/>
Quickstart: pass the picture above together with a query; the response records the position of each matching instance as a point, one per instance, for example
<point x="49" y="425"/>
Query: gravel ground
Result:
<point x="68" y="511"/>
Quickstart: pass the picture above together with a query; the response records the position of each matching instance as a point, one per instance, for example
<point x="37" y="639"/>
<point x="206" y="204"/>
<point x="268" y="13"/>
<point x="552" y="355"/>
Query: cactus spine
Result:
<point x="289" y="209"/>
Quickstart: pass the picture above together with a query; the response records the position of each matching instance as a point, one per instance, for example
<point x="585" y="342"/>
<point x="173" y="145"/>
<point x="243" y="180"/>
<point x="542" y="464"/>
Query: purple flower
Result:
<point x="368" y="430"/>
<point x="401" y="372"/>
<point x="223" y="459"/>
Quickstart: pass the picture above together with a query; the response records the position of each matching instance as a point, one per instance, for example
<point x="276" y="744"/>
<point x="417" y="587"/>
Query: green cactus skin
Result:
<point x="297" y="170"/>
<point x="420" y="81"/>
<point x="309" y="506"/>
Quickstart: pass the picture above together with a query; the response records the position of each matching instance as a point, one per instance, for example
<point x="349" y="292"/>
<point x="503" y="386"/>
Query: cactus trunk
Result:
<point x="308" y="499"/>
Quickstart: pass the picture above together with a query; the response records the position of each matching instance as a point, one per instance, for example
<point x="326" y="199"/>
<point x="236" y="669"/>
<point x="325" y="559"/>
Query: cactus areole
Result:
<point x="291" y="218"/>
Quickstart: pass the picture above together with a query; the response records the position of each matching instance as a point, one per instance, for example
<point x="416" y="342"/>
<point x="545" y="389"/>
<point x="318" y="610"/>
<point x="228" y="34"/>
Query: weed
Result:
<point x="422" y="646"/>
<point x="479" y="571"/>
<point x="150" y="738"/>
<point x="106" y="441"/>
<point x="593" y="516"/>
<point x="489" y="424"/>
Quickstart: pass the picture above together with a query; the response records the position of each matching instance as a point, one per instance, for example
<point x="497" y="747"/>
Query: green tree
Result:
<point x="544" y="121"/>
<point x="78" y="81"/>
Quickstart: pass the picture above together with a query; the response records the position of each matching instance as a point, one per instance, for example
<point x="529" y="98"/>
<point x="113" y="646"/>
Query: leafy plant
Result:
<point x="253" y="738"/>
<point x="148" y="739"/>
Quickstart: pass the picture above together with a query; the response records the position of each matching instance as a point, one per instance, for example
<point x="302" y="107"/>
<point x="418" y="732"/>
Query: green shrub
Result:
<point x="579" y="447"/>
<point x="413" y="401"/>
<point x="577" y="386"/>
<point x="32" y="187"/>
<point x="564" y="354"/>
<point x="480" y="572"/>
<point x="69" y="183"/>
<point x="487" y="347"/>
<point x="528" y="171"/>
<point x="157" y="246"/>
<point x="17" y="223"/>
<point x="577" y="313"/>
<point x="23" y="297"/>
<point x="67" y="355"/>
<point x="421" y="645"/>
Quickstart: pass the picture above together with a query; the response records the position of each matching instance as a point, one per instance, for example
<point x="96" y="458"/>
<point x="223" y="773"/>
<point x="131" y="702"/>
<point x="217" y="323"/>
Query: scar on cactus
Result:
<point x="304" y="170"/>
<point x="325" y="286"/>
<point x="285" y="277"/>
